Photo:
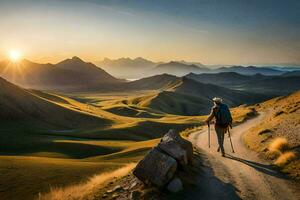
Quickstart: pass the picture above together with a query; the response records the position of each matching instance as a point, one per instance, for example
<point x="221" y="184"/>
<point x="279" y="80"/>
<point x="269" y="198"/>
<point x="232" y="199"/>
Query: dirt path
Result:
<point x="241" y="175"/>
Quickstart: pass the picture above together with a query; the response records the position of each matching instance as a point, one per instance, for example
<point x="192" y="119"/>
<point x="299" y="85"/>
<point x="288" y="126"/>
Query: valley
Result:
<point x="60" y="130"/>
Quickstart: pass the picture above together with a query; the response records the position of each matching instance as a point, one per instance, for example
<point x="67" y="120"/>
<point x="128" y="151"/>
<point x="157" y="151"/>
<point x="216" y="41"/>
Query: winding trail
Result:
<point x="239" y="175"/>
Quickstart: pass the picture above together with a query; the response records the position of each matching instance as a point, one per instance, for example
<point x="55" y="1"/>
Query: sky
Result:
<point x="209" y="31"/>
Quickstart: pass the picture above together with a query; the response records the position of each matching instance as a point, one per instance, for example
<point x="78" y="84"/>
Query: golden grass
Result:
<point x="81" y="191"/>
<point x="285" y="158"/>
<point x="23" y="177"/>
<point x="279" y="144"/>
<point x="188" y="131"/>
<point x="277" y="134"/>
<point x="41" y="172"/>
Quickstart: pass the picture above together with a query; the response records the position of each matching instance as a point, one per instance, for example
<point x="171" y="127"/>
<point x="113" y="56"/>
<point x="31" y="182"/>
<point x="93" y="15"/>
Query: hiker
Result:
<point x="223" y="118"/>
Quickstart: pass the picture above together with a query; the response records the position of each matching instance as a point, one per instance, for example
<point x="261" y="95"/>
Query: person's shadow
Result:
<point x="207" y="185"/>
<point x="266" y="169"/>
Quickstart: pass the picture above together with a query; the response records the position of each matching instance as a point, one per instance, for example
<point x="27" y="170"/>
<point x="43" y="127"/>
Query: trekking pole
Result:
<point x="230" y="140"/>
<point x="208" y="135"/>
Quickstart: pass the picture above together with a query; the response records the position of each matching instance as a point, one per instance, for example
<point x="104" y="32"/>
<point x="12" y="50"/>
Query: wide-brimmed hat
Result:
<point x="217" y="100"/>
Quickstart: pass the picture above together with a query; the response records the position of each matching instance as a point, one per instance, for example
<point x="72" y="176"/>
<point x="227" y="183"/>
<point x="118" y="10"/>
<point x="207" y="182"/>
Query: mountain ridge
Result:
<point x="68" y="74"/>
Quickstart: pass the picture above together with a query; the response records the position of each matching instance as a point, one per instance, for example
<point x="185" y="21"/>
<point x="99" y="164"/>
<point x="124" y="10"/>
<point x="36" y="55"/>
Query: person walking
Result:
<point x="221" y="113"/>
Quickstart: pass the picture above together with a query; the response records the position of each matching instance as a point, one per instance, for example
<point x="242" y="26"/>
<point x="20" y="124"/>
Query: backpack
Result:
<point x="223" y="115"/>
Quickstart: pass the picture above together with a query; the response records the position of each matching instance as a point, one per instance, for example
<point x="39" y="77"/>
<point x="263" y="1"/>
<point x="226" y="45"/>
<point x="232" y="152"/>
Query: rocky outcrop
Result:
<point x="156" y="168"/>
<point x="177" y="140"/>
<point x="161" y="164"/>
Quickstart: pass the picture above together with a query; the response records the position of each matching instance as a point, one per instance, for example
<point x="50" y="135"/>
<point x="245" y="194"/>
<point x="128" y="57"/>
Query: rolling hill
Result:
<point x="208" y="91"/>
<point x="27" y="110"/>
<point x="225" y="78"/>
<point x="157" y="82"/>
<point x="69" y="74"/>
<point x="184" y="96"/>
<point x="271" y="85"/>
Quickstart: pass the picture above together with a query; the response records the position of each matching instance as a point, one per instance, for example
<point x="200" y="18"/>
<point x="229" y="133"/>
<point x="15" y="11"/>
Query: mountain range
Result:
<point x="76" y="75"/>
<point x="250" y="70"/>
<point x="127" y="68"/>
<point x="258" y="83"/>
<point x="179" y="68"/>
<point x="69" y="74"/>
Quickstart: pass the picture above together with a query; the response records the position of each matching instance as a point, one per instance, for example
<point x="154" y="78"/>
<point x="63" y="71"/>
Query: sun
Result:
<point x="15" y="55"/>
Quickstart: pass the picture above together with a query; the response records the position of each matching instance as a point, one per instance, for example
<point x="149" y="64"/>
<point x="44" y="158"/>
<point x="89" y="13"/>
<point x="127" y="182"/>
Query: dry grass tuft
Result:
<point x="82" y="191"/>
<point x="279" y="144"/>
<point x="285" y="158"/>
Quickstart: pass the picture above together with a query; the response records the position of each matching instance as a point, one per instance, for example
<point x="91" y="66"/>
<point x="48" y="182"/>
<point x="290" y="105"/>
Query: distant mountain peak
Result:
<point x="76" y="58"/>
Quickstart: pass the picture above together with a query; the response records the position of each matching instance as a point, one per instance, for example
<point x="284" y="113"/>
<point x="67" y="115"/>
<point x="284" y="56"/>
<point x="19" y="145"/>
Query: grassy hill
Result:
<point x="27" y="109"/>
<point x="168" y="94"/>
<point x="208" y="91"/>
<point x="59" y="139"/>
<point x="277" y="137"/>
<point x="49" y="140"/>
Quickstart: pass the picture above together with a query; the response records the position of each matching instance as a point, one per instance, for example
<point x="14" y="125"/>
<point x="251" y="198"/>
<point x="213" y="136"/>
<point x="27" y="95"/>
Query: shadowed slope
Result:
<point x="258" y="83"/>
<point x="17" y="104"/>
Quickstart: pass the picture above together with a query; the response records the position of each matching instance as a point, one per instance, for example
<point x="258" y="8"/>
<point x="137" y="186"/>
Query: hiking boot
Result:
<point x="218" y="150"/>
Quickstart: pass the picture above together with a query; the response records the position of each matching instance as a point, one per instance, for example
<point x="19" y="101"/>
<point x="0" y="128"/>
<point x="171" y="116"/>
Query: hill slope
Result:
<point x="184" y="96"/>
<point x="282" y="121"/>
<point x="225" y="78"/>
<point x="29" y="110"/>
<point x="273" y="85"/>
<point x="156" y="82"/>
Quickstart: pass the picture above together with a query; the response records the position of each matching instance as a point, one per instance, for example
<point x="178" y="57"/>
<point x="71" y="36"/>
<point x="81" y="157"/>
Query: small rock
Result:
<point x="117" y="188"/>
<point x="109" y="191"/>
<point x="133" y="185"/>
<point x="104" y="196"/>
<point x="175" y="185"/>
<point x="135" y="195"/>
<point x="115" y="195"/>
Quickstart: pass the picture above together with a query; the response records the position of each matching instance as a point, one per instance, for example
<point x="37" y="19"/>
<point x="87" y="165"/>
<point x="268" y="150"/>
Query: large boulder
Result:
<point x="175" y="185"/>
<point x="170" y="147"/>
<point x="175" y="137"/>
<point x="156" y="168"/>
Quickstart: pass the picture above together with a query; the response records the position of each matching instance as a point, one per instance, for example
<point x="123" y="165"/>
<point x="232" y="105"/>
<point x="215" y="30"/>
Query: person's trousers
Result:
<point x="220" y="135"/>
